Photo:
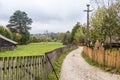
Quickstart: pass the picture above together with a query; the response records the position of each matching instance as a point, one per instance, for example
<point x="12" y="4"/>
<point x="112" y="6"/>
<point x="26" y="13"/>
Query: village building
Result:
<point x="7" y="44"/>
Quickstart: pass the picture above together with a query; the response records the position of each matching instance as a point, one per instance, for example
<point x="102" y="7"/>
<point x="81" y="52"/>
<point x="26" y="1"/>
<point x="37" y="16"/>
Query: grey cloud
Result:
<point x="53" y="13"/>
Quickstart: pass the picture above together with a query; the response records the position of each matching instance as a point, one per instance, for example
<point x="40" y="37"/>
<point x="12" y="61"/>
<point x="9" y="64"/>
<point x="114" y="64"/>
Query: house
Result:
<point x="7" y="44"/>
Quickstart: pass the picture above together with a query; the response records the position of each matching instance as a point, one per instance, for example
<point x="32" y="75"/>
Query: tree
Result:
<point x="17" y="37"/>
<point x="6" y="32"/>
<point x="61" y="37"/>
<point x="19" y="23"/>
<point x="97" y="23"/>
<point x="79" y="36"/>
<point x="67" y="37"/>
<point x="106" y="22"/>
<point x="74" y="31"/>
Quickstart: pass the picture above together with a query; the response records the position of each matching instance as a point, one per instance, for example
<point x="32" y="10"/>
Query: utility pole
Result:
<point x="88" y="11"/>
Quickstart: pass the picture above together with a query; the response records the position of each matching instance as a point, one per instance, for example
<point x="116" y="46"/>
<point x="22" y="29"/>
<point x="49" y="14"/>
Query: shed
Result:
<point x="7" y="44"/>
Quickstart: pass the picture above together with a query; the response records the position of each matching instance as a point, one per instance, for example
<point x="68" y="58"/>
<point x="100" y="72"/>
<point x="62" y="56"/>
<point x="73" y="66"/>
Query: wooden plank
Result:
<point x="20" y="68"/>
<point x="38" y="67"/>
<point x="43" y="68"/>
<point x="36" y="71"/>
<point x="34" y="67"/>
<point x="13" y="69"/>
<point x="40" y="58"/>
<point x="31" y="67"/>
<point x="17" y="65"/>
<point x="1" y="61"/>
<point x="9" y="68"/>
<point x="25" y="68"/>
<point x="27" y="74"/>
<point x="5" y="67"/>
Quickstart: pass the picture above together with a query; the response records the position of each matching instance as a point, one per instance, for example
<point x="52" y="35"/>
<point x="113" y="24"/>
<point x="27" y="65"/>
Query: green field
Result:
<point x="32" y="49"/>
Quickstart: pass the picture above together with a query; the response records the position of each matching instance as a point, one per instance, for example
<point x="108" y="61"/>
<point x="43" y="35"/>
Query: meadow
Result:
<point x="32" y="49"/>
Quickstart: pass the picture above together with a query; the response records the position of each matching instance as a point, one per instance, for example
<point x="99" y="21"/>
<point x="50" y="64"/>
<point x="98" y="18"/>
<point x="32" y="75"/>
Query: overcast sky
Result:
<point x="51" y="15"/>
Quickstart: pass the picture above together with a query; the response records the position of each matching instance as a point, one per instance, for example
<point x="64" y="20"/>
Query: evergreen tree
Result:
<point x="19" y="23"/>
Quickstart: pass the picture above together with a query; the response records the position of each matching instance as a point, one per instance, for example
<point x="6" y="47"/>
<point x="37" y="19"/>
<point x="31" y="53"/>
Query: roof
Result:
<point x="9" y="40"/>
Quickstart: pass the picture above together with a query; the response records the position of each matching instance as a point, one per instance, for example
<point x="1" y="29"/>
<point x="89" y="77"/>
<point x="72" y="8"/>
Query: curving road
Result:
<point x="75" y="67"/>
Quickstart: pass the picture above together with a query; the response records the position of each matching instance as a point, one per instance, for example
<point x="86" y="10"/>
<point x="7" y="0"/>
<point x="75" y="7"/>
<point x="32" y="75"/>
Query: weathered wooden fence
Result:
<point x="104" y="57"/>
<point x="29" y="67"/>
<point x="21" y="68"/>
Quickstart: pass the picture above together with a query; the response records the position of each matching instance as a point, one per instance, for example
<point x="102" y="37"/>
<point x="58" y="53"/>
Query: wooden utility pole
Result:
<point x="88" y="10"/>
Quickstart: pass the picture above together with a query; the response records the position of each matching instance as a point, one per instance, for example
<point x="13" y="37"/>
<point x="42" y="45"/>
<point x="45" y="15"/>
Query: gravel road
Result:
<point x="75" y="67"/>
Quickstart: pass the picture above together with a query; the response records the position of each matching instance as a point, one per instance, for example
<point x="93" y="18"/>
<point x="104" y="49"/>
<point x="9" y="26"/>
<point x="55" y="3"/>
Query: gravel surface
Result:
<point x="75" y="67"/>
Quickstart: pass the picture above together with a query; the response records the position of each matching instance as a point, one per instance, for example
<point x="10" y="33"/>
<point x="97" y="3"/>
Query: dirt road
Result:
<point x="75" y="67"/>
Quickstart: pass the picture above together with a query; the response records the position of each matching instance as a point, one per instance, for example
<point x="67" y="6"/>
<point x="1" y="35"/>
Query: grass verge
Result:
<point x="93" y="63"/>
<point x="58" y="65"/>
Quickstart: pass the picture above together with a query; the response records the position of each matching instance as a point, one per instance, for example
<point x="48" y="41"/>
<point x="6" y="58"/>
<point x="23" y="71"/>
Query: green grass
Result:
<point x="57" y="66"/>
<point x="32" y="49"/>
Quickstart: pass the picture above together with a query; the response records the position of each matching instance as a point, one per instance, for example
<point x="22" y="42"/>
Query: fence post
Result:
<point x="1" y="60"/>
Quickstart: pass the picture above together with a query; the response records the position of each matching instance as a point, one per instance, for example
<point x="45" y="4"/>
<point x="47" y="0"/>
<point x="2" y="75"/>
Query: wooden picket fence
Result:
<point x="21" y="68"/>
<point x="103" y="57"/>
<point x="30" y="67"/>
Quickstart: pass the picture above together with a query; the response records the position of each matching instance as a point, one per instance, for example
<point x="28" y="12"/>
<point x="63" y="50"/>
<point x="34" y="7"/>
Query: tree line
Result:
<point x="77" y="35"/>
